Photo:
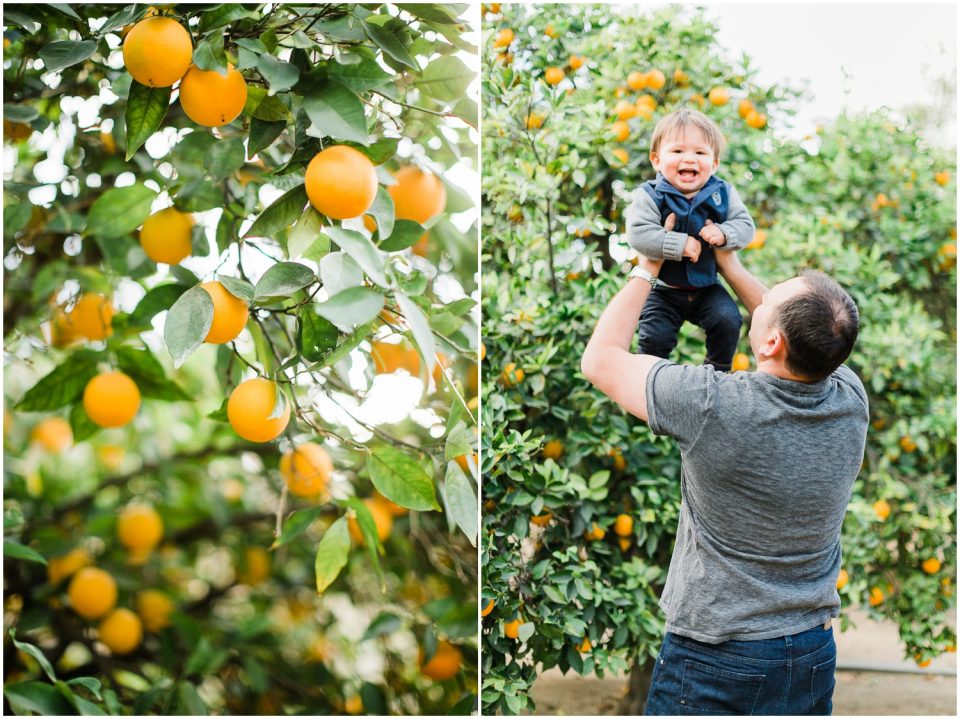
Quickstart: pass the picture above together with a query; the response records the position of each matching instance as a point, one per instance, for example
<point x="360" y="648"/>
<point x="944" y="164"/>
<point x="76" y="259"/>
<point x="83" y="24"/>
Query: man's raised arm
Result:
<point x="749" y="289"/>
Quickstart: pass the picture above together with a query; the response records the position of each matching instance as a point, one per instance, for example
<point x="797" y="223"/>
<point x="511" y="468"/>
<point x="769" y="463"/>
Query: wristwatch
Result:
<point x="644" y="275"/>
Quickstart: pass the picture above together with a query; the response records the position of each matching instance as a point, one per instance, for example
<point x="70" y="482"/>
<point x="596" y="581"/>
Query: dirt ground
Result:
<point x="873" y="679"/>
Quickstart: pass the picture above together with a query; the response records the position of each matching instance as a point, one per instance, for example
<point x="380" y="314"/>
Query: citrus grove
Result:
<point x="580" y="502"/>
<point x="241" y="359"/>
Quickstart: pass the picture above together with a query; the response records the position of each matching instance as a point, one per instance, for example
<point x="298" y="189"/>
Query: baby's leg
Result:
<point x="719" y="316"/>
<point x="660" y="322"/>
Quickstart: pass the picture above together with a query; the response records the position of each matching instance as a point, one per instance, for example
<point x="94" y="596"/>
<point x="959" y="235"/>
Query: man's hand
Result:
<point x="713" y="235"/>
<point x="692" y="248"/>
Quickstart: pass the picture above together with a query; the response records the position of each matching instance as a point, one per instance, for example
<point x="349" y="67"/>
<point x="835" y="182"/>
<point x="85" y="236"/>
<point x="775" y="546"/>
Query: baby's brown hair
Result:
<point x="678" y="121"/>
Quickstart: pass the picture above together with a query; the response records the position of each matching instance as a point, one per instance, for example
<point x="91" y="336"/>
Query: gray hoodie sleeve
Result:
<point x="645" y="232"/>
<point x="739" y="227"/>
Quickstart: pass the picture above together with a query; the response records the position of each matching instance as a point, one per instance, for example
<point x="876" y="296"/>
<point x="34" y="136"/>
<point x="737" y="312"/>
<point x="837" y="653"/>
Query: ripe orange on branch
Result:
<point x="417" y="196"/>
<point x="306" y="469"/>
<point x="637" y="80"/>
<point x="381" y="518"/>
<point x="92" y="592"/>
<point x="54" y="434"/>
<point x="719" y="96"/>
<point x="554" y="75"/>
<point x="230" y="314"/>
<point x="621" y="131"/>
<point x="157" y="51"/>
<point x="249" y="408"/>
<point x="91" y="317"/>
<point x="139" y="528"/>
<point x="512" y="629"/>
<point x="111" y="399"/>
<point x="121" y="631"/>
<point x="211" y="99"/>
<point x="341" y="182"/>
<point x="504" y="38"/>
<point x="444" y="664"/>
<point x="165" y="236"/>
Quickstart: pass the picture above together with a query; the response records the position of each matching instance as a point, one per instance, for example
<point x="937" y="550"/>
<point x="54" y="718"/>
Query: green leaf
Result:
<point x="390" y="43"/>
<point x="210" y="55"/>
<point x="362" y="250"/>
<point x="434" y="12"/>
<point x="218" y="16"/>
<point x="19" y="113"/>
<point x="368" y="529"/>
<point x="349" y="343"/>
<point x="305" y="232"/>
<point x="224" y="158"/>
<point x="89" y="683"/>
<point x="465" y="706"/>
<point x="379" y="151"/>
<point x="239" y="288"/>
<point x="279" y="75"/>
<point x="144" y="369"/>
<point x="121" y="18"/>
<point x="119" y="211"/>
<point x="405" y="234"/>
<point x="187" y="324"/>
<point x="339" y="272"/>
<point x="332" y="554"/>
<point x="16" y="217"/>
<point x="315" y="335"/>
<point x="468" y="111"/>
<point x="64" y="53"/>
<point x="459" y="442"/>
<point x="351" y="307"/>
<point x="384" y="623"/>
<point x="461" y="501"/>
<point x="445" y="79"/>
<point x="281" y="214"/>
<point x="401" y="479"/>
<point x="65" y="9"/>
<point x="157" y="299"/>
<point x="420" y="328"/>
<point x="144" y="113"/>
<point x="383" y="211"/>
<point x="283" y="279"/>
<point x="263" y="133"/>
<point x="362" y="76"/>
<point x="80" y="423"/>
<point x="189" y="702"/>
<point x="28" y="698"/>
<point x="296" y="524"/>
<point x="63" y="385"/>
<point x="19" y="551"/>
<point x="198" y="195"/>
<point x="337" y="112"/>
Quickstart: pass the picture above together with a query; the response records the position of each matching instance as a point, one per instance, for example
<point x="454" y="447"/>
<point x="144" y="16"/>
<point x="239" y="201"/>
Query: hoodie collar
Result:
<point x="663" y="185"/>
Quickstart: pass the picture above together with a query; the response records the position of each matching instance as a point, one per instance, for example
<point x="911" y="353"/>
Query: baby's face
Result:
<point x="686" y="160"/>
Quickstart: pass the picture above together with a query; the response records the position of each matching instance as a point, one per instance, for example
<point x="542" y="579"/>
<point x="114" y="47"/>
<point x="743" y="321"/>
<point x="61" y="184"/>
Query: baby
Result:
<point x="683" y="217"/>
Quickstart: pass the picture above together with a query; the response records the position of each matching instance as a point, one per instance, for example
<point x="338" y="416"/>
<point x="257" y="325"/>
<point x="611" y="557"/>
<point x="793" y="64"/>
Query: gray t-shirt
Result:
<point x="767" y="471"/>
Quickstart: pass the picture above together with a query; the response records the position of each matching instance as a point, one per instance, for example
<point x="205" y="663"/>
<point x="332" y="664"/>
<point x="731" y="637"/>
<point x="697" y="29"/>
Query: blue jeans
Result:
<point x="787" y="675"/>
<point x="711" y="308"/>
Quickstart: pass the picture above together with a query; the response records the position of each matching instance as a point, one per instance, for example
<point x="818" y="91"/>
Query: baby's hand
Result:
<point x="713" y="235"/>
<point x="670" y="222"/>
<point x="692" y="249"/>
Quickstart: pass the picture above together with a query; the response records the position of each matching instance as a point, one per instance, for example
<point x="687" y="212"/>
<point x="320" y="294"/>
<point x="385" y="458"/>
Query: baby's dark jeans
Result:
<point x="711" y="308"/>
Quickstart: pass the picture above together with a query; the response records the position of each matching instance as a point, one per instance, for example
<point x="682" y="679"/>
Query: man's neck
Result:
<point x="777" y="368"/>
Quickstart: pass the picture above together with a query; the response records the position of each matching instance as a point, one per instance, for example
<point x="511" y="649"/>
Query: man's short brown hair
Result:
<point x="677" y="121"/>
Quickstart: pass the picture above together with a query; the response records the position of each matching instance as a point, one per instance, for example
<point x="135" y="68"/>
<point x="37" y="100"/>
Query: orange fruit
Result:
<point x="211" y="99"/>
<point x="922" y="663"/>
<point x="744" y="108"/>
<point x="512" y="375"/>
<point x="353" y="705"/>
<point x="504" y="58"/>
<point x="637" y="80"/>
<point x="111" y="455"/>
<point x="157" y="51"/>
<point x="656" y="79"/>
<point x="550" y="32"/>
<point x="165" y="236"/>
<point x="622" y="156"/>
<point x="931" y="565"/>
<point x="230" y="314"/>
<point x="698" y="100"/>
<point x="306" y="469"/>
<point x="719" y="96"/>
<point x="882" y="508"/>
<point x="395" y="509"/>
<point x="503" y="38"/>
<point x="62" y="567"/>
<point x="444" y="664"/>
<point x="553" y="449"/>
<point x="381" y="517"/>
<point x="139" y="527"/>
<point x="464" y="462"/>
<point x="389" y="357"/>
<point x="907" y="444"/>
<point x="121" y="631"/>
<point x="487" y="609"/>
<point x="53" y="434"/>
<point x="625" y="110"/>
<point x="512" y="629"/>
<point x="554" y="75"/>
<point x="624" y="543"/>
<point x="585" y="645"/>
<point x="623" y="526"/>
<point x="681" y="78"/>
<point x="92" y="592"/>
<point x="595" y="534"/>
<point x="249" y="408"/>
<point x="942" y="178"/>
<point x="576" y="61"/>
<point x="534" y="121"/>
<point x="741" y="362"/>
<point x="16" y="131"/>
<point x="542" y="520"/>
<point x="256" y="569"/>
<point x="417" y="196"/>
<point x="758" y="241"/>
<point x="91" y="317"/>
<point x="876" y="596"/>
<point x="619" y="462"/>
<point x="154" y="608"/>
<point x="621" y="131"/>
<point x="111" y="399"/>
<point x="494" y="8"/>
<point x="756" y="120"/>
<point x="842" y="578"/>
<point x="341" y="182"/>
<point x="647" y="102"/>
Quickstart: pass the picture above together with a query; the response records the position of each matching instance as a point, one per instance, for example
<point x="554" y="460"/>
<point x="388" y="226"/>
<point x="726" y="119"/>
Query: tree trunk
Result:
<point x="638" y="685"/>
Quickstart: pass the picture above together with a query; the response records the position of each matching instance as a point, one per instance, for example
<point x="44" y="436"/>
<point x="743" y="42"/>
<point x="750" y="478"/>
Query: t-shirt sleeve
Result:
<point x="846" y="376"/>
<point x="678" y="400"/>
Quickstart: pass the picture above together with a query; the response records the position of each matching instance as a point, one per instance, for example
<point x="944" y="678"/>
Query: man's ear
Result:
<point x="774" y="344"/>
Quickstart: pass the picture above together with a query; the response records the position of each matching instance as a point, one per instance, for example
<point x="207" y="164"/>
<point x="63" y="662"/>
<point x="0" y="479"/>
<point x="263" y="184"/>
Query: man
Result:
<point x="768" y="464"/>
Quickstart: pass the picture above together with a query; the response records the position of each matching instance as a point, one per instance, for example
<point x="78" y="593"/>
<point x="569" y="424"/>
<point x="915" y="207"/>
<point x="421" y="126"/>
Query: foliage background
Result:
<point x="249" y="633"/>
<point x="866" y="199"/>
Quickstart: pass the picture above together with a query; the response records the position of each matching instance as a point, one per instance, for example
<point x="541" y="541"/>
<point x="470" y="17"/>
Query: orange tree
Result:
<point x="240" y="364"/>
<point x="580" y="501"/>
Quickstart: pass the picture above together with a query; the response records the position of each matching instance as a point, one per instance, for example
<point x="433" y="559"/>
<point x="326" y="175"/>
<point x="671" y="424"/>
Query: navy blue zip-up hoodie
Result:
<point x="711" y="202"/>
